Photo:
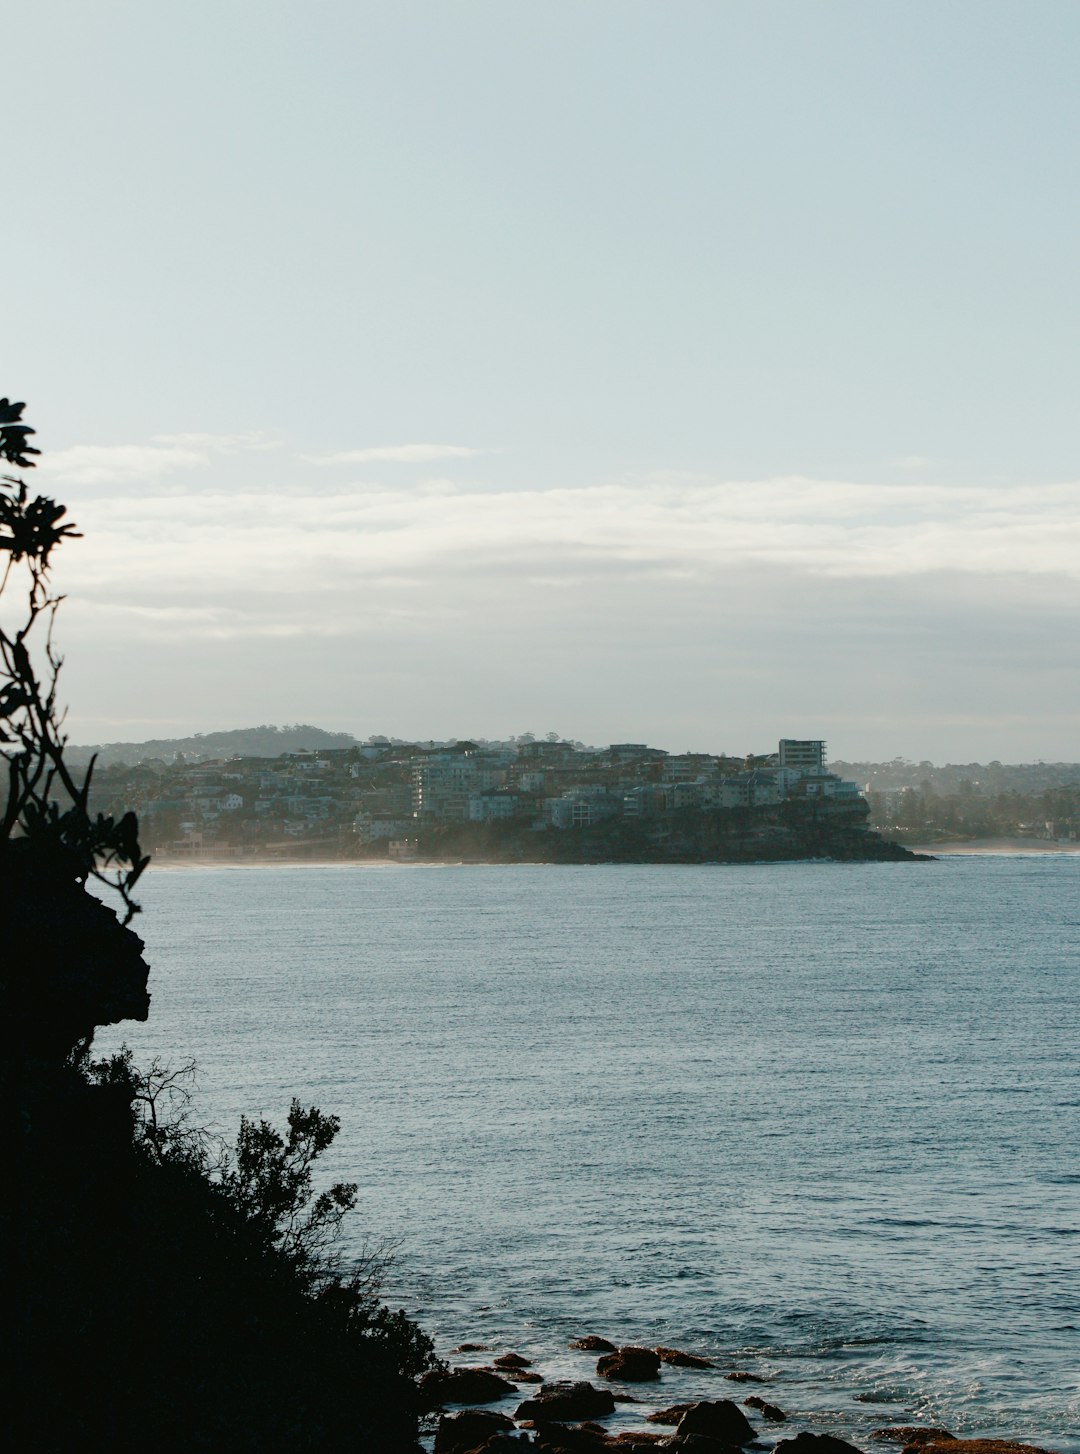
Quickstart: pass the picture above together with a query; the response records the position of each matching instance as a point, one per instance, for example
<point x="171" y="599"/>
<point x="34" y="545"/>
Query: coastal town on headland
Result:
<point x="231" y="796"/>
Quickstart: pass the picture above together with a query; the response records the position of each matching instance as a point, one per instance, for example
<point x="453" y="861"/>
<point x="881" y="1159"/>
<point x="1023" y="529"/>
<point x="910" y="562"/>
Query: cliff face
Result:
<point x="69" y="964"/>
<point x="789" y="831"/>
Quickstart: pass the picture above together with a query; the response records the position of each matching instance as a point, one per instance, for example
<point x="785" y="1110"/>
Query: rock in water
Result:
<point x="719" y="1420"/>
<point x="593" y="1344"/>
<point x="972" y="1446"/>
<point x="469" y="1429"/>
<point x="765" y="1409"/>
<point x="464" y="1386"/>
<point x="815" y="1444"/>
<point x="629" y="1365"/>
<point x="680" y="1359"/>
<point x="912" y="1434"/>
<point x="566" y="1403"/>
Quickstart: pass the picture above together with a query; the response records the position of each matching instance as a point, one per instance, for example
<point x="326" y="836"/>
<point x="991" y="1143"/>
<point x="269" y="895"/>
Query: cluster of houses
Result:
<point x="381" y="793"/>
<point x="560" y="785"/>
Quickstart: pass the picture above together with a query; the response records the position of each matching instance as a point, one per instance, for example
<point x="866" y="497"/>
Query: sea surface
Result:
<point x="817" y="1121"/>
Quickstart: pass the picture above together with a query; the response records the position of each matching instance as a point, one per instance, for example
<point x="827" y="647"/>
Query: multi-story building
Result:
<point x="805" y="755"/>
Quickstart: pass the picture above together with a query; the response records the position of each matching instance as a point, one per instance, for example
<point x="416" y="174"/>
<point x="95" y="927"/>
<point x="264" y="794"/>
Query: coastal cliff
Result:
<point x="786" y="832"/>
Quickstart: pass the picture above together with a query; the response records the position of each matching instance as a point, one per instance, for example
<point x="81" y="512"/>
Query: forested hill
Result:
<point x="262" y="741"/>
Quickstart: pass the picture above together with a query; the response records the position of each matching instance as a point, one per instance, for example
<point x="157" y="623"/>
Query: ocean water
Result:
<point x="817" y="1121"/>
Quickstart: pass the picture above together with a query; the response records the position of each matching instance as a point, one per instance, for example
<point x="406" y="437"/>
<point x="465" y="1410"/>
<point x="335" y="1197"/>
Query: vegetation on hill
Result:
<point x="168" y="1292"/>
<point x="264" y="741"/>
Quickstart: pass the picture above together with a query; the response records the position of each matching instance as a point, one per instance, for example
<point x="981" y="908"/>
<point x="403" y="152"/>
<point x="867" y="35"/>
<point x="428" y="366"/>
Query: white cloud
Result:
<point x="803" y="601"/>
<point x="278" y="556"/>
<point x="222" y="443"/>
<point x="395" y="454"/>
<point x="112" y="464"/>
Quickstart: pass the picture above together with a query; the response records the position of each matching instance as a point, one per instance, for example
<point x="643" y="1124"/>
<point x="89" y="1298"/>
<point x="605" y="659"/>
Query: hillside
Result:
<point x="264" y="741"/>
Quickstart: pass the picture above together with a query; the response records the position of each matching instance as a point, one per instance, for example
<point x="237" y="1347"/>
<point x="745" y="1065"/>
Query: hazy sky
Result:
<point x="696" y="373"/>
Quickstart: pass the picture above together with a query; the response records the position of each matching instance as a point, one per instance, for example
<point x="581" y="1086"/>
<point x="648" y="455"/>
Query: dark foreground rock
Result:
<point x="815" y="1444"/>
<point x="670" y="1415"/>
<point x="973" y="1446"/>
<point x="464" y="1386"/>
<point x="630" y="1365"/>
<point x="913" y="1434"/>
<point x="469" y="1429"/>
<point x="718" y="1420"/>
<point x="567" y="1403"/>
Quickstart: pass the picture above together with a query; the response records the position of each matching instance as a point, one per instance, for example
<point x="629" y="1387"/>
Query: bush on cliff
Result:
<point x="163" y="1293"/>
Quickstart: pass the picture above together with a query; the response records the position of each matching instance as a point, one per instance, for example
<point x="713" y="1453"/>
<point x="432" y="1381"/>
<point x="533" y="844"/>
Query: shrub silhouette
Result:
<point x="168" y="1292"/>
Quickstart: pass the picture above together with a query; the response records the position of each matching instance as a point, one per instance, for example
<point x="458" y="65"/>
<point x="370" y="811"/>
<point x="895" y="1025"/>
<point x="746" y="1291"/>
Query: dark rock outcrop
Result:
<point x="503" y="1444"/>
<point x="593" y="1344"/>
<point x="913" y="1434"/>
<point x="679" y="1359"/>
<point x="567" y="1403"/>
<point x="69" y="965"/>
<point x="629" y="1365"/>
<point x="670" y="1415"/>
<point x="464" y="1386"/>
<point x="950" y="1445"/>
<point x="469" y="1429"/>
<point x="815" y="1444"/>
<point x="510" y="1360"/>
<point x="765" y="1409"/>
<point x="739" y="1376"/>
<point x="718" y="1420"/>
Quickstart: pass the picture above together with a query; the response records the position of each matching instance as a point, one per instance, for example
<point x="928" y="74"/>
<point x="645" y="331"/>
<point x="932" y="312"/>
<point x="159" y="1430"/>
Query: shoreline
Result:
<point x="1002" y="847"/>
<point x="919" y="855"/>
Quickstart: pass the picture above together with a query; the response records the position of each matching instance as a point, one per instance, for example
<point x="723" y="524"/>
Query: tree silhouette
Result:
<point x="45" y="802"/>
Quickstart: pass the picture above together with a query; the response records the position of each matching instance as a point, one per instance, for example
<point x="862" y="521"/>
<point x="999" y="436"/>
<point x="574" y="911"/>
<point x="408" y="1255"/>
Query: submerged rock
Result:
<point x="913" y="1434"/>
<point x="683" y="1360"/>
<point x="739" y="1376"/>
<point x="765" y="1409"/>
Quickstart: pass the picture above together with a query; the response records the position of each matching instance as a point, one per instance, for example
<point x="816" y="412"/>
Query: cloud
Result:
<point x="395" y="454"/>
<point x="222" y="443"/>
<point x="111" y="464"/>
<point x="296" y="550"/>
<point x="790" y="601"/>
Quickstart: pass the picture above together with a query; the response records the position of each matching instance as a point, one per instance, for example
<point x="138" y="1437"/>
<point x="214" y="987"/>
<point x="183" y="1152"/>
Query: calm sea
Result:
<point x="818" y="1121"/>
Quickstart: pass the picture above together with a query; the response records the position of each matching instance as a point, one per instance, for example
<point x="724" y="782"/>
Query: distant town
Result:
<point x="402" y="800"/>
<point x="327" y="795"/>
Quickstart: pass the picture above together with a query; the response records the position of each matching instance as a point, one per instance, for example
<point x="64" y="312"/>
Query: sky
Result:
<point x="696" y="372"/>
